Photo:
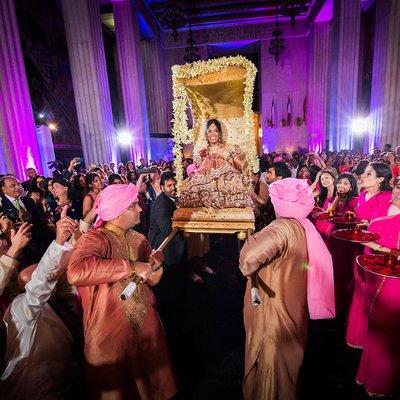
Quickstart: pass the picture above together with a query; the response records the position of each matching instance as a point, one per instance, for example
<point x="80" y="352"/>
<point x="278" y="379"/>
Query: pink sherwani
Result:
<point x="125" y="346"/>
<point x="365" y="284"/>
<point x="379" y="368"/>
<point x="275" y="331"/>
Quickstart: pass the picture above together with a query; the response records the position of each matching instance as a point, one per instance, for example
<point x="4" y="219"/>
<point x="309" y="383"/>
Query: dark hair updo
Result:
<point x="383" y="171"/>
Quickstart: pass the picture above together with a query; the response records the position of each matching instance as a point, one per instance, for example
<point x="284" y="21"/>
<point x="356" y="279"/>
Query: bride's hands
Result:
<point x="203" y="153"/>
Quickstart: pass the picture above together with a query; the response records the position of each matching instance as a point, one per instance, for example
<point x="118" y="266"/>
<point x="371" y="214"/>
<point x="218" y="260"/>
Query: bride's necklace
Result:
<point x="214" y="149"/>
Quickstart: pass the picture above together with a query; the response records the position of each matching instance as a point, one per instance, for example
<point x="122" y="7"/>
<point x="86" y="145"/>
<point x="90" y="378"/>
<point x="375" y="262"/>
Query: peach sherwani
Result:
<point x="125" y="345"/>
<point x="275" y="331"/>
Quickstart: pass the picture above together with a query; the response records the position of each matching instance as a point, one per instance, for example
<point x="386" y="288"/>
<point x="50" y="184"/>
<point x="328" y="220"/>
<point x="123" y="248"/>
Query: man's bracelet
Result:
<point x="133" y="272"/>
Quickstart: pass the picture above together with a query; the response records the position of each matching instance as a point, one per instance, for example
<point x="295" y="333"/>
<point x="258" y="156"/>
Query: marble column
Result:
<point x="90" y="81"/>
<point x="385" y="91"/>
<point x="19" y="146"/>
<point x="344" y="77"/>
<point x="318" y="85"/>
<point x="131" y="78"/>
<point x="154" y="78"/>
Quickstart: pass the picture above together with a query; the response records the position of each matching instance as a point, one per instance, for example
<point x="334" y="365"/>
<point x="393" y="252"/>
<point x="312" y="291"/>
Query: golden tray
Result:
<point x="238" y="221"/>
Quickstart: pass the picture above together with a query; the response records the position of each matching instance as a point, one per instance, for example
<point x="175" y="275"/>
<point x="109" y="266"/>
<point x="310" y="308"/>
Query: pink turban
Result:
<point x="293" y="198"/>
<point x="113" y="201"/>
<point x="190" y="168"/>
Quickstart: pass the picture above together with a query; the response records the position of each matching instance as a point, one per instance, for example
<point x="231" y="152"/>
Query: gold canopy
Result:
<point x="220" y="88"/>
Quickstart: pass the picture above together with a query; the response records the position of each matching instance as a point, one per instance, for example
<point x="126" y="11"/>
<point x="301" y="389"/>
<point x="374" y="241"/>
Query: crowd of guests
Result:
<point x="39" y="215"/>
<point x="351" y="186"/>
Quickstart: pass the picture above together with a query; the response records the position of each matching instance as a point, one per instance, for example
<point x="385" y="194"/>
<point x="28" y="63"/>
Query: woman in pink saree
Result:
<point x="379" y="369"/>
<point x="373" y="203"/>
<point x="343" y="253"/>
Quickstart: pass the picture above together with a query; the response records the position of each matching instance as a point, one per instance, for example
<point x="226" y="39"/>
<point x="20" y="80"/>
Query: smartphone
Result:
<point x="78" y="160"/>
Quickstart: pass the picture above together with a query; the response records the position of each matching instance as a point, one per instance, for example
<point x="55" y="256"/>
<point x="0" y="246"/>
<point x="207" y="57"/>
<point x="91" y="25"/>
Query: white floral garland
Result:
<point x="181" y="132"/>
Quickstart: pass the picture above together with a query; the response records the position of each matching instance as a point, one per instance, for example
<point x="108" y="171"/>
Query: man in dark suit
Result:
<point x="171" y="291"/>
<point x="142" y="164"/>
<point x="31" y="173"/>
<point x="161" y="214"/>
<point x="19" y="209"/>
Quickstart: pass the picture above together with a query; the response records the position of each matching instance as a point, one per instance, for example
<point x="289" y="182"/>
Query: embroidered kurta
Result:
<point x="125" y="345"/>
<point x="276" y="331"/>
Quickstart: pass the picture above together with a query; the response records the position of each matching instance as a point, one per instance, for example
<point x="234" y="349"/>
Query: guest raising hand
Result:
<point x="42" y="326"/>
<point x="9" y="261"/>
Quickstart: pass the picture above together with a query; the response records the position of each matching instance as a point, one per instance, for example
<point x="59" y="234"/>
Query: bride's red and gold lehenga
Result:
<point x="221" y="181"/>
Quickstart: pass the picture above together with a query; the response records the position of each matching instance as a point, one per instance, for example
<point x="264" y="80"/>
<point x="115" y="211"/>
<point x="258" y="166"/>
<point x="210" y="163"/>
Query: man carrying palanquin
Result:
<point x="125" y="347"/>
<point x="294" y="270"/>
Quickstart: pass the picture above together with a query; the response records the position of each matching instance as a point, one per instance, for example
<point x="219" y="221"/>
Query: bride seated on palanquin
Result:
<point x="222" y="179"/>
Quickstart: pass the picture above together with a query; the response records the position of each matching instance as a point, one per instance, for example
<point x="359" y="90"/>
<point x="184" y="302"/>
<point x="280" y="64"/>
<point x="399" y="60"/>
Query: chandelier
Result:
<point x="173" y="17"/>
<point x="191" y="51"/>
<point x="276" y="44"/>
<point x="292" y="9"/>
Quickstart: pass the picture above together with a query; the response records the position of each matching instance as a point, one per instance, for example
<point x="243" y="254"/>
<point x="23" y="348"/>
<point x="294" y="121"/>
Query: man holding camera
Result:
<point x="19" y="209"/>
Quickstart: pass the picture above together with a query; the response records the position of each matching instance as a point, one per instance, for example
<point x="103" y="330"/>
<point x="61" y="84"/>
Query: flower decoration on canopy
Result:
<point x="184" y="78"/>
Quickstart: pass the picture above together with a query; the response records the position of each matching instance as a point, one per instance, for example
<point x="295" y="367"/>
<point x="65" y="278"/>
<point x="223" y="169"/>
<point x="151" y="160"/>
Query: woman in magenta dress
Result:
<point x="346" y="165"/>
<point x="324" y="189"/>
<point x="393" y="163"/>
<point x="343" y="253"/>
<point x="304" y="173"/>
<point x="373" y="202"/>
<point x="379" y="369"/>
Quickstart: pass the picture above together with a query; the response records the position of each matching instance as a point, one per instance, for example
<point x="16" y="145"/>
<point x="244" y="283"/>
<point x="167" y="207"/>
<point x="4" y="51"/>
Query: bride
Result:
<point x="221" y="181"/>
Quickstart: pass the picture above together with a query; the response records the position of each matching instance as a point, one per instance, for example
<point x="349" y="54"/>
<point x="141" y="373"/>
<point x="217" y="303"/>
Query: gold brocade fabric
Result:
<point x="137" y="305"/>
<point x="222" y="99"/>
<point x="218" y="95"/>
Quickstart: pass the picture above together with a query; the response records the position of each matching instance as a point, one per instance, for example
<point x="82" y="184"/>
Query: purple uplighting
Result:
<point x="320" y="72"/>
<point x="17" y="126"/>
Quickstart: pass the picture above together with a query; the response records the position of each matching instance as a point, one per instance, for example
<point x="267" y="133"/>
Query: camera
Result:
<point x="56" y="165"/>
<point x="11" y="214"/>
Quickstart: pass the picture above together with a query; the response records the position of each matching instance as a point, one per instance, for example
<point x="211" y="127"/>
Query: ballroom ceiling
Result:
<point x="215" y="13"/>
<point x="225" y="12"/>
